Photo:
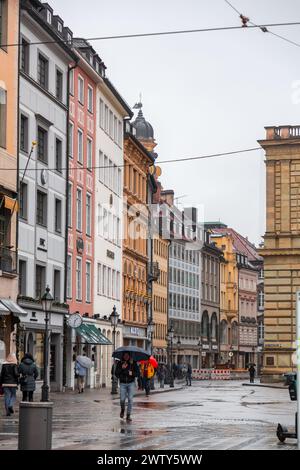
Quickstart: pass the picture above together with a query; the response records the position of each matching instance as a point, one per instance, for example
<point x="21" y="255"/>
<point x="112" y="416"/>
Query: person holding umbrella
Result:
<point x="148" y="371"/>
<point x="82" y="364"/>
<point x="127" y="371"/>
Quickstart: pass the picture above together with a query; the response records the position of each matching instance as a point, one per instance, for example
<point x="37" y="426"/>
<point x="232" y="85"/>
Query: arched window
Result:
<point x="234" y="332"/>
<point x="223" y="332"/>
<point x="214" y="326"/>
<point x="205" y="321"/>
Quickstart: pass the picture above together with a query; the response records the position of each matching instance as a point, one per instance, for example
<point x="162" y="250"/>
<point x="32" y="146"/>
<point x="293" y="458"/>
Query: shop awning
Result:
<point x="7" y="306"/>
<point x="92" y="335"/>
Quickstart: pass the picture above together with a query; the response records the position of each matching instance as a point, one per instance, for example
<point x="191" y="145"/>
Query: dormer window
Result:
<point x="49" y="17"/>
<point x="59" y="27"/>
<point x="69" y="37"/>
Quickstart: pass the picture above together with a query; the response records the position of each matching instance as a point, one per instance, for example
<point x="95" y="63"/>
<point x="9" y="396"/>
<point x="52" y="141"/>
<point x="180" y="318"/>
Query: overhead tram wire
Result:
<point x="161" y="33"/>
<point x="95" y="167"/>
<point x="263" y="28"/>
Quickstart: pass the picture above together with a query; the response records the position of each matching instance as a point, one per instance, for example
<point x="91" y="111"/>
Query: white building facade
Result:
<point x="43" y="109"/>
<point x="108" y="243"/>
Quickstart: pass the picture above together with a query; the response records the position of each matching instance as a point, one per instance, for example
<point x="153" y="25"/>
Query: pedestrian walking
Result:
<point x="80" y="375"/>
<point x="188" y="374"/>
<point x="28" y="374"/>
<point x="127" y="371"/>
<point x="147" y="372"/>
<point x="161" y="375"/>
<point x="251" y="373"/>
<point x="9" y="382"/>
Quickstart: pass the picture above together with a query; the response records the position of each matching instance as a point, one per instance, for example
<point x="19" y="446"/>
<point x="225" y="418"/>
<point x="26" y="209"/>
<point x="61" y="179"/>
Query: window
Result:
<point x="3" y="22"/>
<point x="70" y="199"/>
<point x="56" y="284"/>
<point x="106" y="170"/>
<point x="59" y="85"/>
<point x="78" y="279"/>
<point x="71" y="82"/>
<point x="120" y="133"/>
<point x="88" y="281"/>
<point x="42" y="150"/>
<point x="24" y="133"/>
<point x="81" y="90"/>
<point x="58" y="207"/>
<point x="43" y="66"/>
<point x="88" y="214"/>
<point x="41" y="208"/>
<point x="101" y="169"/>
<point x="101" y="114"/>
<point x="261" y="299"/>
<point x="90" y="99"/>
<point x="79" y="209"/>
<point x="69" y="276"/>
<point x="58" y="155"/>
<point x="22" y="277"/>
<point x="99" y="271"/>
<point x="59" y="27"/>
<point x="24" y="60"/>
<point x="71" y="138"/>
<point x="80" y="145"/>
<point x="49" y="17"/>
<point x="3" y="112"/>
<point x="106" y="118"/>
<point x="89" y="162"/>
<point x="111" y="124"/>
<point x="119" y="191"/>
<point x="40" y="281"/>
<point x="109" y="282"/>
<point x="115" y="129"/>
<point x="23" y="200"/>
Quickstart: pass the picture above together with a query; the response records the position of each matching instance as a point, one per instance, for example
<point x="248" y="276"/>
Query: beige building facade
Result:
<point x="281" y="251"/>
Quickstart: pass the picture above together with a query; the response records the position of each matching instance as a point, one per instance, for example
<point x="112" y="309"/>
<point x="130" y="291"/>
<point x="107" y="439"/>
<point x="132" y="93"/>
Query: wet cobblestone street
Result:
<point x="208" y="415"/>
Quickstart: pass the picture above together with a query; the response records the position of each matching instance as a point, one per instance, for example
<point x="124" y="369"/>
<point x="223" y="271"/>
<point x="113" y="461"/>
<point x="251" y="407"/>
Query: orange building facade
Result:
<point x="135" y="254"/>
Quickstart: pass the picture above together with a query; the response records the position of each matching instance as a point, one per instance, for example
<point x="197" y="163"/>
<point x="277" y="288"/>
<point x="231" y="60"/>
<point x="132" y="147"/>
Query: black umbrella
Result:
<point x="137" y="354"/>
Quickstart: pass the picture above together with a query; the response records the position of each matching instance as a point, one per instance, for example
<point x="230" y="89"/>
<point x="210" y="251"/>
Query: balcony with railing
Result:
<point x="282" y="132"/>
<point x="154" y="271"/>
<point x="8" y="261"/>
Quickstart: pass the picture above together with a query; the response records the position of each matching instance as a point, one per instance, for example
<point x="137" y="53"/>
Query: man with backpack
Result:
<point x="147" y="373"/>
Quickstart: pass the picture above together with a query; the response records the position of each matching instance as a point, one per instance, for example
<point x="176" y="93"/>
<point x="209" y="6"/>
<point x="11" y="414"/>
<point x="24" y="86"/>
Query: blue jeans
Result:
<point x="127" y="390"/>
<point x="9" y="396"/>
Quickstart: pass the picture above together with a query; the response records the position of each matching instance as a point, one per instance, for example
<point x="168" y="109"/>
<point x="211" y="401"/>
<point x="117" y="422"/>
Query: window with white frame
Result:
<point x="106" y="118"/>
<point x="101" y="114"/>
<point x="69" y="276"/>
<point x="99" y="277"/>
<point x="80" y="145"/>
<point x="108" y="282"/>
<point x="71" y="82"/>
<point x="119" y="190"/>
<point x="90" y="99"/>
<point x="88" y="281"/>
<point x="78" y="279"/>
<point x="79" y="209"/>
<point x="80" y="90"/>
<point x="111" y="124"/>
<point x="88" y="207"/>
<point x="101" y="164"/>
<point x="115" y="129"/>
<point x="106" y="170"/>
<point x="261" y="299"/>
<point x="120" y="133"/>
<point x="104" y="280"/>
<point x="89" y="158"/>
<point x="70" y="199"/>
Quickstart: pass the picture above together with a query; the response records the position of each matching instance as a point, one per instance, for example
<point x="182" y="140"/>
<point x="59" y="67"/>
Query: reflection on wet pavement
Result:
<point x="204" y="416"/>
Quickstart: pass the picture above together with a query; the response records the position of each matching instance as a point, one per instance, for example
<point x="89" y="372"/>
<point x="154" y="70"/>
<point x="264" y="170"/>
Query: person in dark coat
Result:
<point x="188" y="376"/>
<point x="252" y="373"/>
<point x="28" y="375"/>
<point x="127" y="371"/>
<point x="9" y="382"/>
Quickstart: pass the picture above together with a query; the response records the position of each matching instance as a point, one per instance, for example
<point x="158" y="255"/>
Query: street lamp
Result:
<point x="171" y="336"/>
<point x="200" y="350"/>
<point x="114" y="320"/>
<point x="47" y="301"/>
<point x="151" y="326"/>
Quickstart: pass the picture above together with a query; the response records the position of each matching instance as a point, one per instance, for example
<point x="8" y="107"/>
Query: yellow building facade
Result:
<point x="228" y="299"/>
<point x="160" y="298"/>
<point x="281" y="251"/>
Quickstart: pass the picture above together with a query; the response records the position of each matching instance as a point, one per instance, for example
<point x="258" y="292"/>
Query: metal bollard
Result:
<point x="35" y="426"/>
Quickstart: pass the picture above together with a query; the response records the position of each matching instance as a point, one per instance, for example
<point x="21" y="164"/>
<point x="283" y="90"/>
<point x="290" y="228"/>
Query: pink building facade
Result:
<point x="82" y="125"/>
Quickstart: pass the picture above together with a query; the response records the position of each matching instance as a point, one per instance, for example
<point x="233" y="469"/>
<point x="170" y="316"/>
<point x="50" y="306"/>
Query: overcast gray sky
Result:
<point x="203" y="93"/>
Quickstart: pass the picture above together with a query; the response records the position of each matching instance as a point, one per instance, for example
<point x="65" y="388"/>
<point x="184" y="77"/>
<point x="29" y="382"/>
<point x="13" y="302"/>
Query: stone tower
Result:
<point x="281" y="251"/>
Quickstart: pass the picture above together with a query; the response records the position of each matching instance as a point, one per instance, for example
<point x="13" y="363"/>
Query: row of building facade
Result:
<point x="82" y="211"/>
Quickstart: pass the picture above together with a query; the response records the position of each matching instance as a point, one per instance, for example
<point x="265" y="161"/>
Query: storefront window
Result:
<point x="39" y="354"/>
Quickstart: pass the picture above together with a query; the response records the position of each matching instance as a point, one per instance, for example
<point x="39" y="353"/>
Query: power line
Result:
<point x="263" y="28"/>
<point x="186" y="159"/>
<point x="156" y="33"/>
